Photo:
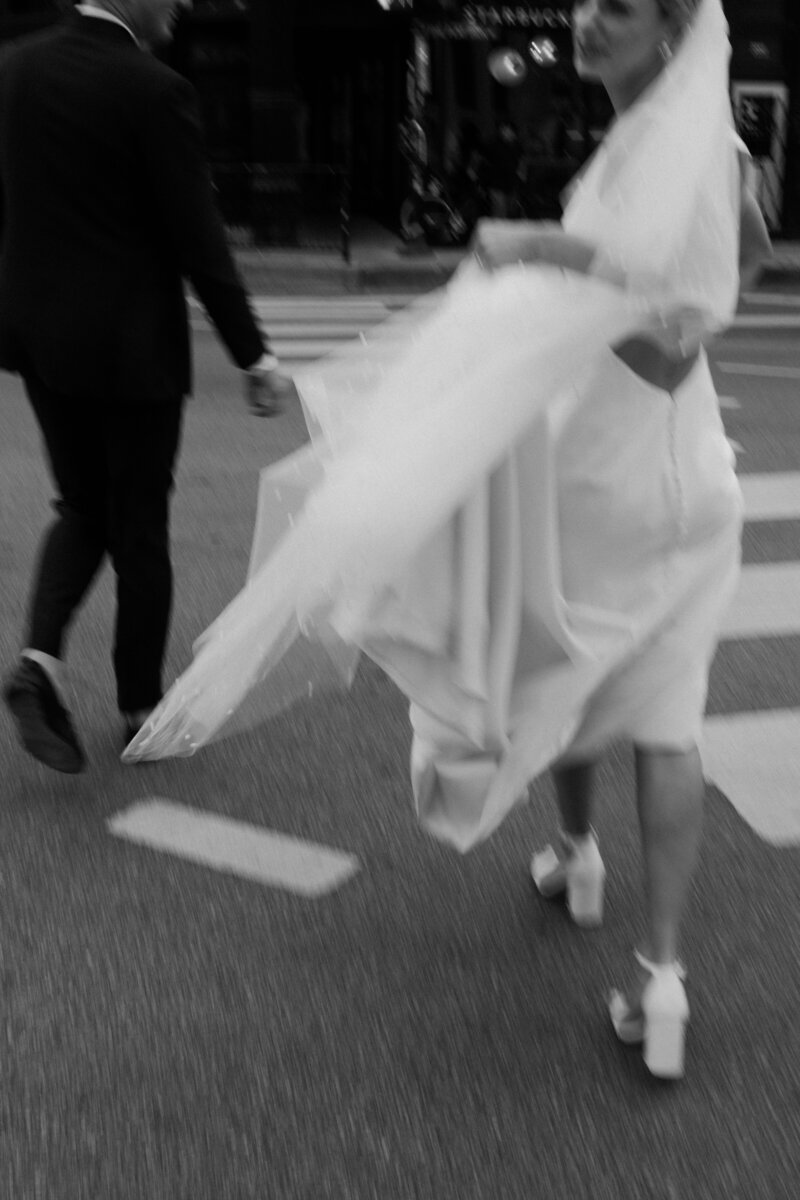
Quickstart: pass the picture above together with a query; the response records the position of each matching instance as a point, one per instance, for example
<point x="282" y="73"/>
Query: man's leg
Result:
<point x="71" y="552"/>
<point x="142" y="449"/>
<point x="73" y="547"/>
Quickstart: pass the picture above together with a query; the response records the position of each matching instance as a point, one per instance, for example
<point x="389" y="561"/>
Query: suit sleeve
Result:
<point x="187" y="211"/>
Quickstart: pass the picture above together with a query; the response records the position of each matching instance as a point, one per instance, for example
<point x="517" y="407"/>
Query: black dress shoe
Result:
<point x="44" y="725"/>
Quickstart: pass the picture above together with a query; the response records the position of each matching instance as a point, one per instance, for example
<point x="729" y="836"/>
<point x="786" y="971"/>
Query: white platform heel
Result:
<point x="576" y="869"/>
<point x="660" y="1023"/>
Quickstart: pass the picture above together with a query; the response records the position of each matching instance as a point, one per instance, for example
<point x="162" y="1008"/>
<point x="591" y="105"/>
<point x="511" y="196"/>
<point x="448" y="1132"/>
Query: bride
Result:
<point x="520" y="502"/>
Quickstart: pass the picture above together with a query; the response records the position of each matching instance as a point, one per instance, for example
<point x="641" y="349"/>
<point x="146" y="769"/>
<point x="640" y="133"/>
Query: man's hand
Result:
<point x="266" y="388"/>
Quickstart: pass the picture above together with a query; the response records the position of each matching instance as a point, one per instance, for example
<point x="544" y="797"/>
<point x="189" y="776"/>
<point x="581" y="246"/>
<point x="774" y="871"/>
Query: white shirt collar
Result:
<point x="91" y="10"/>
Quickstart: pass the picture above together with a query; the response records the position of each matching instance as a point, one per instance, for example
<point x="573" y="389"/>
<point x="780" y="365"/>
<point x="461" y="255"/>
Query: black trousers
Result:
<point x="113" y="468"/>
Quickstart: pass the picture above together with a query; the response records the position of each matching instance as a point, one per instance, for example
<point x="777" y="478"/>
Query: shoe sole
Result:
<point x="45" y="747"/>
<point x="629" y="1029"/>
<point x="551" y="892"/>
<point x="550" y="880"/>
<point x="585" y="900"/>
<point x="584" y="904"/>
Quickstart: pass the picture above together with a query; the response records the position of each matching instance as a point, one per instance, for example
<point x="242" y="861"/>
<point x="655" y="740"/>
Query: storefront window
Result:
<point x="503" y="110"/>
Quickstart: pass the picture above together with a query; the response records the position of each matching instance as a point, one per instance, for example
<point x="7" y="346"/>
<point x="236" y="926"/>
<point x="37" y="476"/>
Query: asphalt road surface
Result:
<point x="183" y="1022"/>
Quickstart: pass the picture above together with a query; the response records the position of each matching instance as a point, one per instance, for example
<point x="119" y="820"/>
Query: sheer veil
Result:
<point x="407" y="427"/>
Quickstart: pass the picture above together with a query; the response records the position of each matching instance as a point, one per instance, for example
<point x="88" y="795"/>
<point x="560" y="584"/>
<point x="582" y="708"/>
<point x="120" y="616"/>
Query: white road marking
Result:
<point x="302" y="350"/>
<point x="759" y="370"/>
<point x="754" y="758"/>
<point x="779" y="299"/>
<point x="329" y="307"/>
<point x="317" y="329"/>
<point x="729" y="402"/>
<point x="305" y="329"/>
<point x="365" y="300"/>
<point x="235" y="847"/>
<point x="766" y="321"/>
<point x="308" y="349"/>
<point x="767" y="603"/>
<point x="325" y="312"/>
<point x="772" y="497"/>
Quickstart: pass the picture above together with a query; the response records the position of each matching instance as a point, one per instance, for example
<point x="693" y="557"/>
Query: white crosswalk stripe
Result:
<point x="235" y="847"/>
<point x="772" y="299"/>
<point x="772" y="497"/>
<point x="759" y="370"/>
<point x="767" y="321"/>
<point x="767" y="603"/>
<point x="754" y="757"/>
<point x="303" y="329"/>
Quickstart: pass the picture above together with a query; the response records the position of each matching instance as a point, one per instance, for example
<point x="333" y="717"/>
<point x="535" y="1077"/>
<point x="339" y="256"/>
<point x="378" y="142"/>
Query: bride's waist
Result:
<point x="653" y="365"/>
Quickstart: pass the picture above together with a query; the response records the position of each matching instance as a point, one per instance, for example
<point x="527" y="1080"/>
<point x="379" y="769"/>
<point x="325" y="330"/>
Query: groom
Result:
<point x="107" y="206"/>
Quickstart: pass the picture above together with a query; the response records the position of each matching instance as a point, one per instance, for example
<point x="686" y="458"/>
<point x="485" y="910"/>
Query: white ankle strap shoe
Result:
<point x="660" y="1021"/>
<point x="577" y="869"/>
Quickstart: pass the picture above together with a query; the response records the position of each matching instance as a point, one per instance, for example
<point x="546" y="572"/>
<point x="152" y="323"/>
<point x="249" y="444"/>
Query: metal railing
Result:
<point x="286" y="204"/>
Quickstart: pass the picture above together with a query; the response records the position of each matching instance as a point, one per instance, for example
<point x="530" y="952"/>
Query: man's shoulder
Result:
<point x="147" y="77"/>
<point x="30" y="44"/>
<point x="122" y="57"/>
<point x="149" y="73"/>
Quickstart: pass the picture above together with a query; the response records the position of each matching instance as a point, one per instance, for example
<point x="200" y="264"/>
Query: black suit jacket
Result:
<point x="107" y="206"/>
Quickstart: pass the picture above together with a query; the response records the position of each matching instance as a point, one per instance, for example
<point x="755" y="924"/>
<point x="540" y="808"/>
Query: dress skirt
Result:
<point x="642" y="536"/>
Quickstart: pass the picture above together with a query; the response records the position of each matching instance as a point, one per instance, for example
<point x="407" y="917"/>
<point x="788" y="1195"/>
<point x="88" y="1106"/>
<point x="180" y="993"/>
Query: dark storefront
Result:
<point x="765" y="90"/>
<point x="309" y="92"/>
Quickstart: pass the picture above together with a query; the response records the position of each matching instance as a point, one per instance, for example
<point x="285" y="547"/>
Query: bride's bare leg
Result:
<point x="654" y="1008"/>
<point x="574" y="783"/>
<point x="670" y="791"/>
<point x="573" y="864"/>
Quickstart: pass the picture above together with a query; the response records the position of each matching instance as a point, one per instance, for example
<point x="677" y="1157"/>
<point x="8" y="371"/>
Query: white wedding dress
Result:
<point x="534" y="543"/>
